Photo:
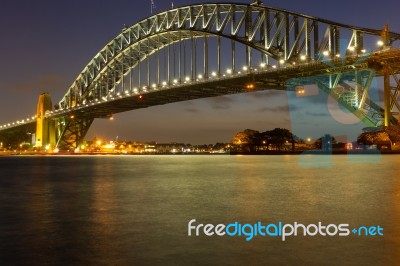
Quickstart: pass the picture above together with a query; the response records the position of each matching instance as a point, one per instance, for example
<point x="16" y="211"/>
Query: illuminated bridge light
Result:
<point x="250" y="86"/>
<point x="281" y="61"/>
<point x="326" y="53"/>
<point x="380" y="43"/>
<point x="262" y="65"/>
<point x="351" y="48"/>
<point x="245" y="68"/>
<point x="214" y="74"/>
<point x="229" y="71"/>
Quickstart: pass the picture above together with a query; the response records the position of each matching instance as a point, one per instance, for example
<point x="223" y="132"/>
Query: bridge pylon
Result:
<point x="45" y="127"/>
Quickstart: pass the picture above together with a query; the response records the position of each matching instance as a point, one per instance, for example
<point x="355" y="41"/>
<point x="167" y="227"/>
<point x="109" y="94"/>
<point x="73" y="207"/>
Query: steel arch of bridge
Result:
<point x="282" y="36"/>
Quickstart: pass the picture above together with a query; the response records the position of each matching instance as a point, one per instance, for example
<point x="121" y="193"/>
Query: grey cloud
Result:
<point x="220" y="103"/>
<point x="192" y="110"/>
<point x="278" y="109"/>
<point x="317" y="114"/>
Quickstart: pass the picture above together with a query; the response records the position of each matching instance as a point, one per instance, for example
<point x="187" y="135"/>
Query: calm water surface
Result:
<point x="134" y="210"/>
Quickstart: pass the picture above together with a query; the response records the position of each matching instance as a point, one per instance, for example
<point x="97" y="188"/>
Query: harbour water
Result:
<point x="135" y="210"/>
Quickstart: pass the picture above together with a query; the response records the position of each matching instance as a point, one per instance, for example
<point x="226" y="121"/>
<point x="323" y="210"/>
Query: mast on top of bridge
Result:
<point x="257" y="3"/>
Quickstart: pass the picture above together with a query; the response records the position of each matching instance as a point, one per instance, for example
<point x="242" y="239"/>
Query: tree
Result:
<point x="244" y="140"/>
<point x="377" y="137"/>
<point x="278" y="137"/>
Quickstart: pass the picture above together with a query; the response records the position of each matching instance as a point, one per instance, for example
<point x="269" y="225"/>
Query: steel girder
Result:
<point x="70" y="131"/>
<point x="391" y="92"/>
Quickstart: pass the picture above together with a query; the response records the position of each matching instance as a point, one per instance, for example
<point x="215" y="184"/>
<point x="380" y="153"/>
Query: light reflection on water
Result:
<point x="134" y="210"/>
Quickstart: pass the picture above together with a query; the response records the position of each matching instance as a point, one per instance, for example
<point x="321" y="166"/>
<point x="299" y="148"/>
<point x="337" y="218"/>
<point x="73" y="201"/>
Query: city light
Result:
<point x="380" y="43"/>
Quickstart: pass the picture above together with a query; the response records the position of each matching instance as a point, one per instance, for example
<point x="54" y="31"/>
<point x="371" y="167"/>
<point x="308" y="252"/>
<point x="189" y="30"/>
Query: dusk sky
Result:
<point x="45" y="45"/>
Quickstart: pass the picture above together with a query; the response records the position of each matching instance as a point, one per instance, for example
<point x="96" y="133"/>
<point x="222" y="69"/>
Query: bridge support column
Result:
<point x="386" y="98"/>
<point x="45" y="128"/>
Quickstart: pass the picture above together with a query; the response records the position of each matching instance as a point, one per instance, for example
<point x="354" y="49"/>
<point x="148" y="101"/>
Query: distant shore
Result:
<point x="319" y="152"/>
<point x="310" y="152"/>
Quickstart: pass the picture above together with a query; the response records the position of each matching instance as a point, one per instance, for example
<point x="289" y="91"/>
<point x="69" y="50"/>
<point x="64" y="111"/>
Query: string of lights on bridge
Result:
<point x="175" y="83"/>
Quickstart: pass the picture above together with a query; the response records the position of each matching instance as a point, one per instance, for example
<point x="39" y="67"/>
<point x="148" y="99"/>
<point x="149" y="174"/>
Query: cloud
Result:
<point x="267" y="94"/>
<point x="220" y="103"/>
<point x="45" y="82"/>
<point x="317" y="114"/>
<point x="279" y="109"/>
<point x="192" y="110"/>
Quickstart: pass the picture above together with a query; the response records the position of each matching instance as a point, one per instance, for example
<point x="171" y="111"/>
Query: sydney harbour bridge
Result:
<point x="208" y="50"/>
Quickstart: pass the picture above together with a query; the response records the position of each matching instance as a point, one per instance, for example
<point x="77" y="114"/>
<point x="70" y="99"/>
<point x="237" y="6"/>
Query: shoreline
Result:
<point x="307" y="152"/>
